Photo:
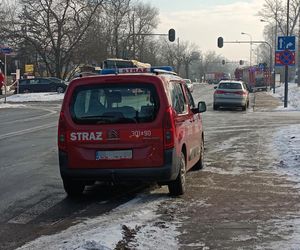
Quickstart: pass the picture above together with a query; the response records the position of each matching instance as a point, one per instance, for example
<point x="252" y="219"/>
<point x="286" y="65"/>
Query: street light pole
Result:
<point x="243" y="33"/>
<point x="274" y="48"/>
<point x="286" y="77"/>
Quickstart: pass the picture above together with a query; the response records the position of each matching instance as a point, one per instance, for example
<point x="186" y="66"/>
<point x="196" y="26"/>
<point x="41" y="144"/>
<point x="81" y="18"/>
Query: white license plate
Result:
<point x="114" y="155"/>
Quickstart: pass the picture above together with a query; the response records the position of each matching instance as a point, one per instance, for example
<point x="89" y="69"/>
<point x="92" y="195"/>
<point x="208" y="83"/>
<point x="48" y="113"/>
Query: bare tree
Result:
<point x="191" y="53"/>
<point x="54" y="28"/>
<point x="116" y="13"/>
<point x="275" y="11"/>
<point x="144" y="22"/>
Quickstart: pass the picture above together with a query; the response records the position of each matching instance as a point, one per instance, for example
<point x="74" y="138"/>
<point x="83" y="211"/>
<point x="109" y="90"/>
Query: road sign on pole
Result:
<point x="286" y="43"/>
<point x="285" y="58"/>
<point x="6" y="50"/>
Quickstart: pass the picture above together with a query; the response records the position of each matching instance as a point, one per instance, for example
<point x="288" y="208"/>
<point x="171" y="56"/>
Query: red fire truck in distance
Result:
<point x="256" y="77"/>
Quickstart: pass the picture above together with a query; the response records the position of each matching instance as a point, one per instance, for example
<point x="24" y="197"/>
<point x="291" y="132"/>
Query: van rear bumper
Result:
<point x="167" y="172"/>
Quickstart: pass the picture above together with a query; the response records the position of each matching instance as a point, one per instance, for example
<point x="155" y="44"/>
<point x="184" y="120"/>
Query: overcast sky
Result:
<point x="203" y="21"/>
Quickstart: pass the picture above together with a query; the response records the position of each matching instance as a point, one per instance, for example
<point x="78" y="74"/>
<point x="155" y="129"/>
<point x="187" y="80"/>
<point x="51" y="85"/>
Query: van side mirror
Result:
<point x="201" y="107"/>
<point x="215" y="87"/>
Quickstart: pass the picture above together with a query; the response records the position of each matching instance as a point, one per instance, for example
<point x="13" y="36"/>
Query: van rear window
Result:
<point x="114" y="103"/>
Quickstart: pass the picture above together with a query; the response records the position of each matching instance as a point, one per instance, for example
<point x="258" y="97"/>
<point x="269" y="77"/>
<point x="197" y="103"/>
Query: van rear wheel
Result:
<point x="73" y="188"/>
<point x="177" y="187"/>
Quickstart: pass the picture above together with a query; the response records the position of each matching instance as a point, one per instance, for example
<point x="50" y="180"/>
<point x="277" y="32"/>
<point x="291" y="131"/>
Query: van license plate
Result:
<point x="114" y="155"/>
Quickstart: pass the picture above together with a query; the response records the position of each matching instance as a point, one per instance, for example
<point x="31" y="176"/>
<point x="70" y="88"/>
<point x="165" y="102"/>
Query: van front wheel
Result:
<point x="177" y="187"/>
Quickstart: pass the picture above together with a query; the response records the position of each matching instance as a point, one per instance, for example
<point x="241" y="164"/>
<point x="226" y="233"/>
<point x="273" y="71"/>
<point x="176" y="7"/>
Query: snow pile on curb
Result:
<point x="293" y="96"/>
<point x="134" y="225"/>
<point x="34" y="97"/>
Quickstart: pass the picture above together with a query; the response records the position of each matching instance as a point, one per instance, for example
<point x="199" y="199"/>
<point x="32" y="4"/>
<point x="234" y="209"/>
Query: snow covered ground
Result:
<point x="31" y="97"/>
<point x="293" y="96"/>
<point x="139" y="216"/>
<point x="286" y="142"/>
<point x="137" y="219"/>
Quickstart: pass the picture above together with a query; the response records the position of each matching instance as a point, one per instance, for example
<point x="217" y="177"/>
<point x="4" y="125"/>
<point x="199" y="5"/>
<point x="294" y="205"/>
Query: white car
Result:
<point x="189" y="84"/>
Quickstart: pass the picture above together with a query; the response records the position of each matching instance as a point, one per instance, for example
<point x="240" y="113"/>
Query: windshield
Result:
<point x="126" y="103"/>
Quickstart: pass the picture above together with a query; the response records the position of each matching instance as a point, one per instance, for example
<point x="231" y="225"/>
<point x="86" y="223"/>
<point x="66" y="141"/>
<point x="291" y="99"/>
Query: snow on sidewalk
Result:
<point x="33" y="97"/>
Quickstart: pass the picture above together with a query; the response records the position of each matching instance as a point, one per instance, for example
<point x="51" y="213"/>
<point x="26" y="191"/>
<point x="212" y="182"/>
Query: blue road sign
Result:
<point x="286" y="42"/>
<point x="6" y="50"/>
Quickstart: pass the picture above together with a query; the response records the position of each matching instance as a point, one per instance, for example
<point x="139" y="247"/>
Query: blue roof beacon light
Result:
<point x="155" y="69"/>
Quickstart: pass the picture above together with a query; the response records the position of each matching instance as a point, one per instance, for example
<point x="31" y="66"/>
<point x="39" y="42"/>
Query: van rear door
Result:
<point x="115" y="125"/>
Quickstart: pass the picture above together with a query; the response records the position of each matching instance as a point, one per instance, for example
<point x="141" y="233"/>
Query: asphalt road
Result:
<point x="33" y="201"/>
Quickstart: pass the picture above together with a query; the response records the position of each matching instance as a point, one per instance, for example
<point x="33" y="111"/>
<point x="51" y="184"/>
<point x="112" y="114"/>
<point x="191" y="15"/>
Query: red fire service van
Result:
<point x="129" y="125"/>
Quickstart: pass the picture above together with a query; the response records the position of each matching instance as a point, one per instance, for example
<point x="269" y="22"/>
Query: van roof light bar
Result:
<point x="155" y="69"/>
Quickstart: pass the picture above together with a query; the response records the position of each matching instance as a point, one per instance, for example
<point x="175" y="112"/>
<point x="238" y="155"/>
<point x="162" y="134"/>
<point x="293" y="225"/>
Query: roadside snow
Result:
<point x="286" y="151"/>
<point x="33" y="97"/>
<point x="136" y="219"/>
<point x="7" y="105"/>
<point x="293" y="96"/>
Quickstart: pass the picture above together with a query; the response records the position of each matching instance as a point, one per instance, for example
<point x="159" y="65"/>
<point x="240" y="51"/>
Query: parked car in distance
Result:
<point x="231" y="94"/>
<point x="106" y="134"/>
<point x="41" y="84"/>
<point x="189" y="84"/>
<point x="55" y="79"/>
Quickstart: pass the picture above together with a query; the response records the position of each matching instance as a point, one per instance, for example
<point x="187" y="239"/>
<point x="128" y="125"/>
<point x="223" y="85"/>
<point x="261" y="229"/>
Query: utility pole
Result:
<point x="5" y="79"/>
<point x="133" y="31"/>
<point x="275" y="48"/>
<point x="298" y="71"/>
<point x="286" y="76"/>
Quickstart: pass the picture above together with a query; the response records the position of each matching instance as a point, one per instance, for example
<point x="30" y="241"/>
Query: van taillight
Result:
<point x="169" y="129"/>
<point x="62" y="132"/>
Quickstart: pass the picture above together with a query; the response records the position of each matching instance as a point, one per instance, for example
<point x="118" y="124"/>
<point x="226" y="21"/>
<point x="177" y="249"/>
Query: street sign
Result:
<point x="286" y="43"/>
<point x="285" y="57"/>
<point x="6" y="50"/>
<point x="29" y="68"/>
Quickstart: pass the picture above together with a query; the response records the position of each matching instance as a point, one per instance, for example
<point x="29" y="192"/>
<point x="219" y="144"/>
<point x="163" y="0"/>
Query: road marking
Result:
<point x="51" y="112"/>
<point x="36" y="210"/>
<point x="28" y="130"/>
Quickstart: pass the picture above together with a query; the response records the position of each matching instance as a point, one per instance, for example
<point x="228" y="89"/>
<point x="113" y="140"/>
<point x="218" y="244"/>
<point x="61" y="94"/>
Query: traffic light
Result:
<point x="171" y="35"/>
<point x="241" y="62"/>
<point x="220" y="42"/>
<point x="223" y="62"/>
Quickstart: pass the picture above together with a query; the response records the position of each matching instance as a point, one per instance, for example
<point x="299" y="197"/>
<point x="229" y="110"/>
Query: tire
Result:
<point x="60" y="90"/>
<point x="73" y="188"/>
<point x="177" y="187"/>
<point x="200" y="164"/>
